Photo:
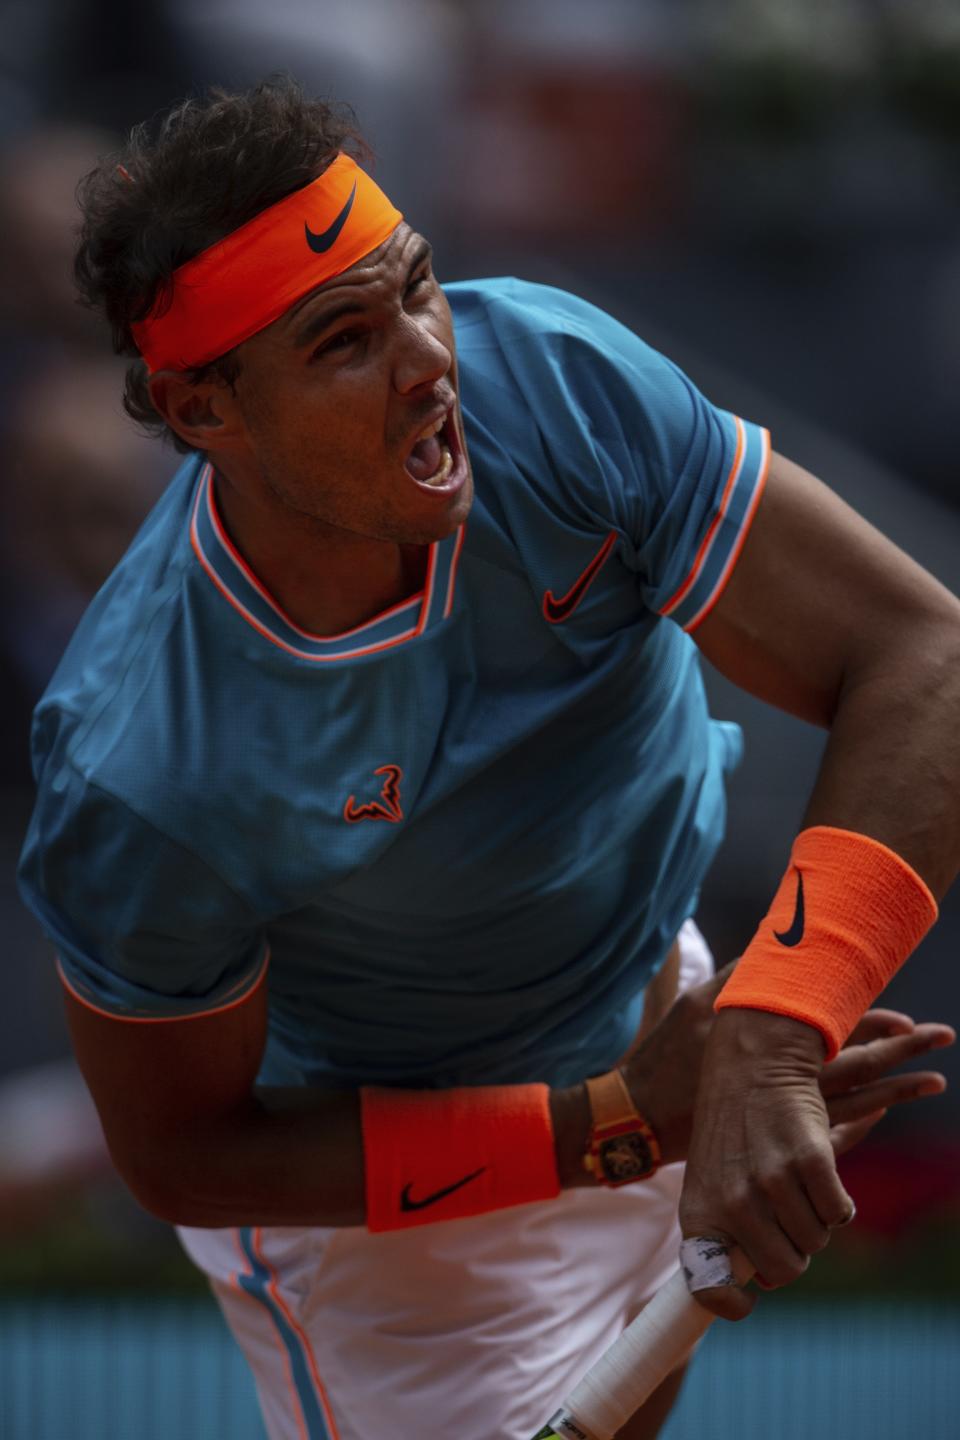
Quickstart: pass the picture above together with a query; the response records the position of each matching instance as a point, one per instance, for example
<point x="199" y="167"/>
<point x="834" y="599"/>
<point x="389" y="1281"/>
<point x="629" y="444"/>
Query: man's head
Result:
<point x="320" y="409"/>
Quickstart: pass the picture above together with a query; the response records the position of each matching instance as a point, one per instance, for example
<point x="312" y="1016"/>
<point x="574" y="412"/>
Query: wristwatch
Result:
<point x="622" y="1146"/>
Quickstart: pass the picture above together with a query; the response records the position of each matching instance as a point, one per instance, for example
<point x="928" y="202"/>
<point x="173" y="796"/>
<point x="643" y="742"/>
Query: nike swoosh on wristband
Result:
<point x="406" y="1203"/>
<point x="794" y="935"/>
<point x="323" y="241"/>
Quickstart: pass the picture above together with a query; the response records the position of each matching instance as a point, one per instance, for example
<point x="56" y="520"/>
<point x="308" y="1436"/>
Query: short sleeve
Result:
<point x="634" y="443"/>
<point x="143" y="929"/>
<point x="700" y="494"/>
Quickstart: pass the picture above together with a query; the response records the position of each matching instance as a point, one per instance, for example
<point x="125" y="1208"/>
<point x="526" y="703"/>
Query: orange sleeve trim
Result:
<point x="707" y="542"/>
<point x="228" y="1004"/>
<point x="734" y="556"/>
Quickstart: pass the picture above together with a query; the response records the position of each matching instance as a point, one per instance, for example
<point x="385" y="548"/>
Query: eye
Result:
<point x="342" y="340"/>
<point x="419" y="281"/>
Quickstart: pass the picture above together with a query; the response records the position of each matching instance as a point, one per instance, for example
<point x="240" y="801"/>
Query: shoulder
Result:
<point x="121" y="634"/>
<point x="505" y="309"/>
<point x="560" y="355"/>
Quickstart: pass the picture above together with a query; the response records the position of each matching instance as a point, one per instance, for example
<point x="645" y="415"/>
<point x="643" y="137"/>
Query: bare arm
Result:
<point x="199" y="1144"/>
<point x="826" y="619"/>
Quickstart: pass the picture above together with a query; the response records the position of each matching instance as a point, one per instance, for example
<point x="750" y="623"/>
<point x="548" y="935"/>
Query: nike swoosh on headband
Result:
<point x="327" y="238"/>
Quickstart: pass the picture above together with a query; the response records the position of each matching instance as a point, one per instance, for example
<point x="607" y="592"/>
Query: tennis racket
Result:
<point x="626" y="1374"/>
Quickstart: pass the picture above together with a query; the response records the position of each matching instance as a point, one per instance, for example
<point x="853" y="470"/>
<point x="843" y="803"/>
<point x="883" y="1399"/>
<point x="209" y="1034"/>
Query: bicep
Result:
<point x="160" y="1084"/>
<point x="817" y="596"/>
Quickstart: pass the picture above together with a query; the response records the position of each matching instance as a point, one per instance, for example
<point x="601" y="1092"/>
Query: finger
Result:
<point x="799" y="1222"/>
<point x="940" y="1035"/>
<point x="770" y="1249"/>
<point x="861" y="1064"/>
<point x="758" y="1235"/>
<point x="882" y="1094"/>
<point x="844" y="1137"/>
<point x="715" y="1271"/>
<point x="878" y="1022"/>
<point x="825" y="1191"/>
<point x="720" y="977"/>
<point x="729" y="1302"/>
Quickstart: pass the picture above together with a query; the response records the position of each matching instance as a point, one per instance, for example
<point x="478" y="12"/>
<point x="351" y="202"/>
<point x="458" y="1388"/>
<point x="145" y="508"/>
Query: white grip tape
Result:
<point x="705" y="1262"/>
<point x="626" y="1374"/>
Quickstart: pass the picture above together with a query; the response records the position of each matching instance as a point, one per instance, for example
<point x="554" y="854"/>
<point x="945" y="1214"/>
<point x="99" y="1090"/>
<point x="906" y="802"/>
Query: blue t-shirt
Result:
<point x="462" y="836"/>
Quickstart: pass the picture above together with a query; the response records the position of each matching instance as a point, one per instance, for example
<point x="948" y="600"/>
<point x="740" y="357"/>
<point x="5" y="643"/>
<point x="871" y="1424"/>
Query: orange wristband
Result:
<point x="443" y="1154"/>
<point x="847" y="914"/>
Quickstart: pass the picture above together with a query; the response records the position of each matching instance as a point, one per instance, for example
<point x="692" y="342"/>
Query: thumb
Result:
<point x="848" y="1133"/>
<point x="717" y="981"/>
<point x="716" y="1270"/>
<point x="726" y="1302"/>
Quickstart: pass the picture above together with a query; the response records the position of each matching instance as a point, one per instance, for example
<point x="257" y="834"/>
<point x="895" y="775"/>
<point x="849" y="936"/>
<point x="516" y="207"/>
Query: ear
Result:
<point x="205" y="415"/>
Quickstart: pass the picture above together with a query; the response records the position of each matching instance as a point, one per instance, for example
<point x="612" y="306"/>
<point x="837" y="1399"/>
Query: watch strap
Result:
<point x="610" y="1100"/>
<point x="623" y="1146"/>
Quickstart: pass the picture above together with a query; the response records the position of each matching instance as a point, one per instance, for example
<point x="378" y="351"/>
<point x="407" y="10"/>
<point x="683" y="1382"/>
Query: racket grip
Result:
<point x="626" y="1374"/>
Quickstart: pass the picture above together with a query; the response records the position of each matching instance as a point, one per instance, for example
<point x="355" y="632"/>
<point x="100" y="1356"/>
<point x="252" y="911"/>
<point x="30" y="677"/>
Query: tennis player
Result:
<point x="377" y="787"/>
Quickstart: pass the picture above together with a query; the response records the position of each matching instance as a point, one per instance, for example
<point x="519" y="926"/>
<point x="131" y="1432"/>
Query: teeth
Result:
<point x="443" y="474"/>
<point x="433" y="429"/>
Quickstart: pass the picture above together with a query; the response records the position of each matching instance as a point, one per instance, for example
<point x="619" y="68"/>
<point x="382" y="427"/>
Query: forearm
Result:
<point x="290" y="1156"/>
<point x="294" y="1156"/>
<point x="852" y="906"/>
<point x="826" y="619"/>
<point x="891" y="769"/>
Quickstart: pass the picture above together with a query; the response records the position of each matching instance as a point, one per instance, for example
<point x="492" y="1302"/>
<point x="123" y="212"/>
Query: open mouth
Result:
<point x="435" y="460"/>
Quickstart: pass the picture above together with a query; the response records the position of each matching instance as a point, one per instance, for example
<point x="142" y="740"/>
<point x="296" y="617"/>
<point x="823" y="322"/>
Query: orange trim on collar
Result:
<point x="249" y="278"/>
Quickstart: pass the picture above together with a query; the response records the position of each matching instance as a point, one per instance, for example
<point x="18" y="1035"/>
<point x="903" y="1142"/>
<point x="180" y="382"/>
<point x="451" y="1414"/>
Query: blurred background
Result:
<point x="766" y="190"/>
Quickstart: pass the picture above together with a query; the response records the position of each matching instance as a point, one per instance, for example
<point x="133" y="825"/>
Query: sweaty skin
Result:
<point x="310" y="451"/>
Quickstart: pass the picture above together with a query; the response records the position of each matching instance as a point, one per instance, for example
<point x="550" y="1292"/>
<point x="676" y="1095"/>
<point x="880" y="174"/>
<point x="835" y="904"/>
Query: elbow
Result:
<point x="165" y="1204"/>
<point x="160" y="1185"/>
<point x="918" y="659"/>
<point x="175" y="1206"/>
<point x="155" y="1194"/>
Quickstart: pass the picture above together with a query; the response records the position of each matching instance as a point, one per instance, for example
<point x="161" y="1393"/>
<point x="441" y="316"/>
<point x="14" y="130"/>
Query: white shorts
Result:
<point x="472" y="1328"/>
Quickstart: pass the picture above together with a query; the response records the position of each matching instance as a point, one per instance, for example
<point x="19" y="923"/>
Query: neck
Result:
<point x="326" y="580"/>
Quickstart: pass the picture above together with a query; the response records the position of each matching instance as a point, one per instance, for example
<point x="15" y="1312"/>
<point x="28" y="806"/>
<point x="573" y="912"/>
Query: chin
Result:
<point x="436" y="521"/>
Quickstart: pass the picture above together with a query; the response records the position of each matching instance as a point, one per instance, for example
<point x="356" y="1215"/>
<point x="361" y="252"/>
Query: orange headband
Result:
<point x="249" y="278"/>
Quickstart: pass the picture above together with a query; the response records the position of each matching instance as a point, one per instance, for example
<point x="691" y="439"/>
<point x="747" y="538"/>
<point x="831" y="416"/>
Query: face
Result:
<point x="349" y="407"/>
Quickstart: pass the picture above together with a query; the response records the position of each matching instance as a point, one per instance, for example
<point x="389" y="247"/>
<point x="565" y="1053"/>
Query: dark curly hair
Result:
<point x="183" y="182"/>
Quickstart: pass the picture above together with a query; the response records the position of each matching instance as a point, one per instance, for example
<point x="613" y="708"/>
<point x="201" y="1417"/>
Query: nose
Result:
<point x="422" y="358"/>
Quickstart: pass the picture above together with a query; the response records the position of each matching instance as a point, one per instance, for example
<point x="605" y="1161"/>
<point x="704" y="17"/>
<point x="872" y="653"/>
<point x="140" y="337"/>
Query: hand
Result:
<point x="770" y="1120"/>
<point x="663" y="1072"/>
<point x="857" y="1085"/>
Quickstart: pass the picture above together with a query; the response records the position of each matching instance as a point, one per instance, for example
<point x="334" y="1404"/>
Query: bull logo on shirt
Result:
<point x="387" y="807"/>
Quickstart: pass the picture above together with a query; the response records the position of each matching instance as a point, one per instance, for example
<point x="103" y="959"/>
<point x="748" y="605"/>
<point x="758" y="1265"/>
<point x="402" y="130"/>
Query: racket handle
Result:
<point x="626" y="1374"/>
